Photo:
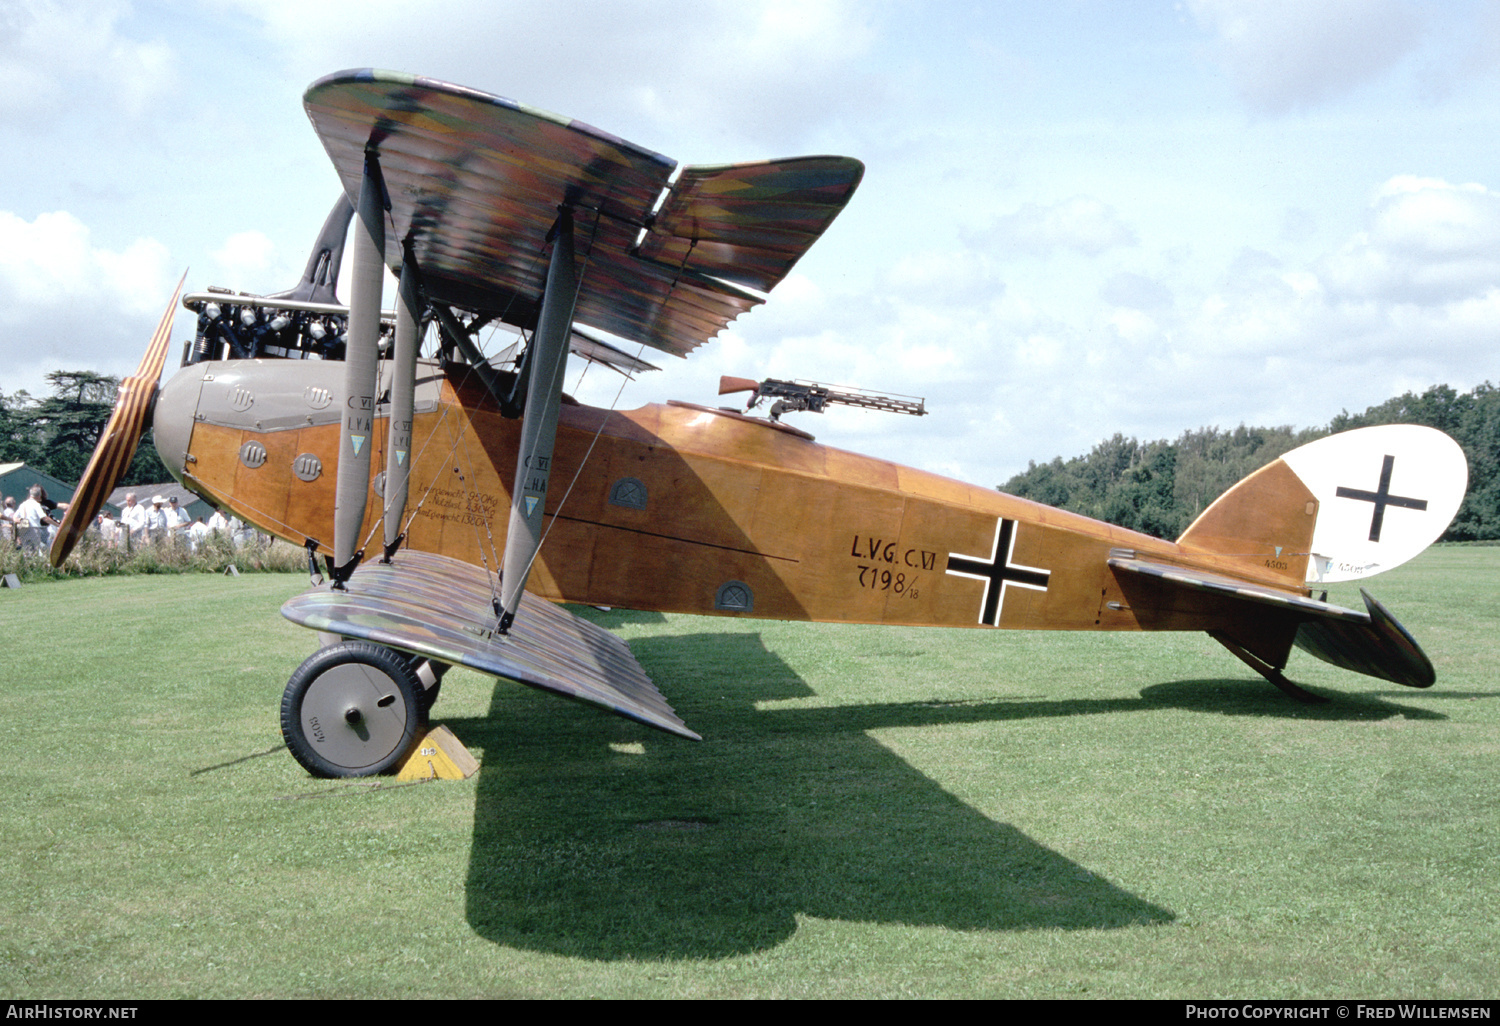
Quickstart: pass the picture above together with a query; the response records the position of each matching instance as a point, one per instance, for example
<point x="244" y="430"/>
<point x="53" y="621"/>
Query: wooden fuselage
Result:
<point x="683" y="508"/>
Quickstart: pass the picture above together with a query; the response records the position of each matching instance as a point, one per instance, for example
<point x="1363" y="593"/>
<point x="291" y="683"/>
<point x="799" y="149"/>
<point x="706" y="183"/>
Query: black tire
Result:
<point x="352" y="710"/>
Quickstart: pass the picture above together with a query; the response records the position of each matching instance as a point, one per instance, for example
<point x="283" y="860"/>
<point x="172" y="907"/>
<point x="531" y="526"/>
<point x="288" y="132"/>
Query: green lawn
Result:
<point x="874" y="812"/>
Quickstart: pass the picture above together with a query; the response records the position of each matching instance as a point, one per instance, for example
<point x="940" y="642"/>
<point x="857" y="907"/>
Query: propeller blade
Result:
<point x="119" y="439"/>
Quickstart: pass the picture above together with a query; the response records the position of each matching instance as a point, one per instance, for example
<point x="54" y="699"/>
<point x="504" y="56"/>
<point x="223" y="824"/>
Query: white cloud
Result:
<point x="246" y="256"/>
<point x="1430" y="216"/>
<point x="712" y="70"/>
<point x="1286" y="54"/>
<point x="1411" y="300"/>
<point x="66" y="303"/>
<point x="55" y="54"/>
<point x="1137" y="292"/>
<point x="1081" y="224"/>
<point x="1426" y="242"/>
<point x="1134" y="325"/>
<point x="1040" y="351"/>
<point x="955" y="275"/>
<point x="50" y="261"/>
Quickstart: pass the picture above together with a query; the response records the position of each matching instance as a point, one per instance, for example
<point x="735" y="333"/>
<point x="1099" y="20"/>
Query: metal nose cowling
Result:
<point x="118" y="441"/>
<point x="172" y="420"/>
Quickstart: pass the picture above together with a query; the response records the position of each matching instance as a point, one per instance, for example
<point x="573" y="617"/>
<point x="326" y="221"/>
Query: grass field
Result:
<point x="874" y="812"/>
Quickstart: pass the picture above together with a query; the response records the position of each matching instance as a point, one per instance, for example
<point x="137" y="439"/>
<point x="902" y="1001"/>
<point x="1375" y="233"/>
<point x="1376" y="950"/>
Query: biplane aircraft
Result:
<point x="455" y="501"/>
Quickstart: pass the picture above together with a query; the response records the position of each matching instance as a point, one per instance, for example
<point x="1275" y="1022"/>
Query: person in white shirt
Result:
<point x="54" y="511"/>
<point x="107" y="526"/>
<point x="133" y="519"/>
<point x="177" y="520"/>
<point x="32" y="522"/>
<point x="156" y="519"/>
<point x="197" y="532"/>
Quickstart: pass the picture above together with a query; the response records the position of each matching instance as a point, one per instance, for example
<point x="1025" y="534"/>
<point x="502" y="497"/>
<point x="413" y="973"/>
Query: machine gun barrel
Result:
<point x="810" y="395"/>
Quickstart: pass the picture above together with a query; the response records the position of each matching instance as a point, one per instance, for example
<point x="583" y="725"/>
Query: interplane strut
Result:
<point x="548" y="360"/>
<point x="353" y="483"/>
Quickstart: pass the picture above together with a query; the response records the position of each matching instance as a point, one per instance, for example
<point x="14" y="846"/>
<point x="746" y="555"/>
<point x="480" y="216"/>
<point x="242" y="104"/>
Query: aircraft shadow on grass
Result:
<point x="594" y="843"/>
<point x="1241" y="696"/>
<point x="1251" y="697"/>
<point x="712" y="849"/>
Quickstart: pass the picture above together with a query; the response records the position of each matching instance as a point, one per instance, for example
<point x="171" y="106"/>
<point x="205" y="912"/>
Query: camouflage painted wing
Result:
<point x="474" y="182"/>
<point x="440" y="608"/>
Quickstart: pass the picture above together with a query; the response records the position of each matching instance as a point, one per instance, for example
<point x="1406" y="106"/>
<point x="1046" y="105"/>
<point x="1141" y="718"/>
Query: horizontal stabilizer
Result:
<point x="1380" y="648"/>
<point x="441" y="608"/>
<point x="1197" y="580"/>
<point x="1372" y="643"/>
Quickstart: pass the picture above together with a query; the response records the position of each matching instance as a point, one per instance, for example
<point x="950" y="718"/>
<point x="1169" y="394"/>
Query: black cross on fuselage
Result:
<point x="998" y="571"/>
<point x="1382" y="498"/>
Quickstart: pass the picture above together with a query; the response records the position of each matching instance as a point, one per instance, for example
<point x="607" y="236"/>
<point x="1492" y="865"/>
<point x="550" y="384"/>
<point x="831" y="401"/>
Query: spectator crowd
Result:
<point x="32" y="525"/>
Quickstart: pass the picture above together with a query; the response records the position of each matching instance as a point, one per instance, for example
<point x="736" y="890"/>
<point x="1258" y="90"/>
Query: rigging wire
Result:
<point x="578" y="471"/>
<point x="587" y="363"/>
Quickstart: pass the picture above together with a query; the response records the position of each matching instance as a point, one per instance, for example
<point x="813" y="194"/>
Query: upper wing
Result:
<point x="474" y="182"/>
<point x="750" y="223"/>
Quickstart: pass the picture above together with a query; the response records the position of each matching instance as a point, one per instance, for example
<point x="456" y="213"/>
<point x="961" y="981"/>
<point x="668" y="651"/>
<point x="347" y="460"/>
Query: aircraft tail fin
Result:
<point x="1264" y="525"/>
<point x="1342" y="508"/>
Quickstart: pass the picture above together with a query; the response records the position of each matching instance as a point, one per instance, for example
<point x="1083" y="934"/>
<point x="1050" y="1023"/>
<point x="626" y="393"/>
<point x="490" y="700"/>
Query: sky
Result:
<point x="1078" y="217"/>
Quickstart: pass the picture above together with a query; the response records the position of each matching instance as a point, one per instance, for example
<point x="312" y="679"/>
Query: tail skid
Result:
<point x="1266" y="670"/>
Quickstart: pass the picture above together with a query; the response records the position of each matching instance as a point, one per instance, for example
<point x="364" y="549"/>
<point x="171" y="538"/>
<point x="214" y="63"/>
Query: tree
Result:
<point x="1142" y="499"/>
<point x="17" y="441"/>
<point x="71" y="419"/>
<point x="1161" y="487"/>
<point x="57" y="434"/>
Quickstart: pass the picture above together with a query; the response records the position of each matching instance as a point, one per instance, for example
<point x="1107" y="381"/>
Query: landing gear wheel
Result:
<point x="352" y="710"/>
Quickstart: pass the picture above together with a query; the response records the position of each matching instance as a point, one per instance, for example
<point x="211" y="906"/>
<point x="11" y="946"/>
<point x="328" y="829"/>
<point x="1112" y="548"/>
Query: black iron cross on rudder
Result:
<point x="1382" y="498"/>
<point x="999" y="571"/>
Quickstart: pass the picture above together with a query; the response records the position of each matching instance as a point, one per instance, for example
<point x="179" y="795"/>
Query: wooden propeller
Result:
<point x="119" y="439"/>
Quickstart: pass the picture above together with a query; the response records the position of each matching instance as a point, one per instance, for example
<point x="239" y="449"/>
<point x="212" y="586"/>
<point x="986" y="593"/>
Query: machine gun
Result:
<point x="810" y="395"/>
